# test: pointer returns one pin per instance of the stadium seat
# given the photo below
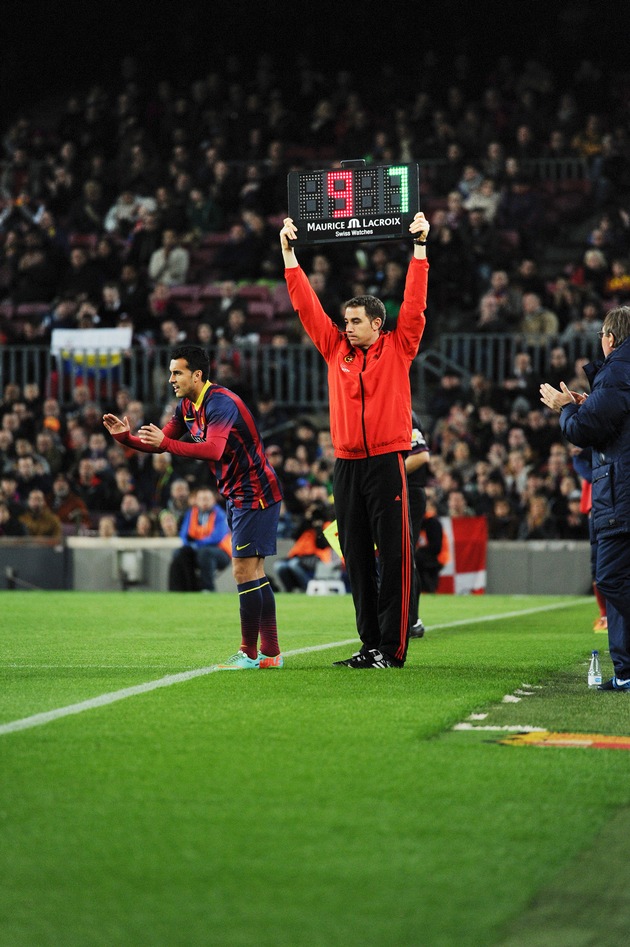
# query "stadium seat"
(258, 310)
(211, 291)
(255, 292)
(187, 293)
(281, 299)
(190, 308)
(30, 310)
(87, 240)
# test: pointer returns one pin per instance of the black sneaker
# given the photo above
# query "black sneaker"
(381, 660)
(417, 630)
(347, 661)
(375, 659)
(612, 685)
(361, 660)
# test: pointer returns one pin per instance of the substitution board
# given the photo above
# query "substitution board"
(354, 203)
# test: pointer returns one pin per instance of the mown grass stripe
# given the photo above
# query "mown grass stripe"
(102, 700)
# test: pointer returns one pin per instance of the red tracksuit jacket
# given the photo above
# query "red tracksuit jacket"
(369, 392)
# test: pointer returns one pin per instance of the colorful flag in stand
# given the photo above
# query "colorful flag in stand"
(465, 572)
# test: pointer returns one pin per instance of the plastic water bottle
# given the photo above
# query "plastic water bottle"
(594, 670)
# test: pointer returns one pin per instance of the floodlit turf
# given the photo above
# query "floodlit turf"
(312, 805)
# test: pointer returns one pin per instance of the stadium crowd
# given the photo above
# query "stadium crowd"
(157, 207)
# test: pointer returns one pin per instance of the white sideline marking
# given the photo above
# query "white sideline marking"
(37, 720)
(518, 728)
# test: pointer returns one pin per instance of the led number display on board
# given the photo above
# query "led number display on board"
(353, 203)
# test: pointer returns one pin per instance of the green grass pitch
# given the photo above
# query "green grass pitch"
(313, 806)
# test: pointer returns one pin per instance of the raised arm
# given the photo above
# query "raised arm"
(288, 235)
(419, 227)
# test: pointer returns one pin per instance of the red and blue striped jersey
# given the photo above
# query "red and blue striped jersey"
(222, 431)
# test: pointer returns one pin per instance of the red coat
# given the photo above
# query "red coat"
(370, 395)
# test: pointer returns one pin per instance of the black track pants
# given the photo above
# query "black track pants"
(372, 508)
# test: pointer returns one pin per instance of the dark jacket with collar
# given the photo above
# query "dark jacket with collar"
(603, 423)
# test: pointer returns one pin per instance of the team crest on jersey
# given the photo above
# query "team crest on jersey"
(349, 358)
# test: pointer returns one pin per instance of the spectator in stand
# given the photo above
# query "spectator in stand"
(127, 515)
(68, 505)
(36, 273)
(587, 142)
(507, 297)
(82, 278)
(38, 519)
(558, 369)
(167, 524)
(207, 545)
(574, 524)
(527, 278)
(538, 325)
(60, 191)
(49, 447)
(451, 271)
(28, 478)
(107, 527)
(10, 525)
(456, 216)
(592, 273)
(493, 161)
(525, 146)
(470, 181)
(161, 478)
(556, 146)
(586, 327)
(564, 299)
(95, 490)
(7, 450)
(457, 505)
(430, 557)
(96, 450)
(122, 217)
(169, 264)
(481, 239)
(489, 317)
(110, 309)
(617, 286)
(9, 492)
(610, 172)
(578, 381)
(538, 522)
(107, 259)
(521, 383)
(145, 241)
(520, 209)
(237, 258)
(489, 487)
(86, 215)
(485, 198)
(203, 216)
(123, 485)
(503, 522)
(310, 549)
(179, 499)
(160, 307)
(449, 174)
(145, 526)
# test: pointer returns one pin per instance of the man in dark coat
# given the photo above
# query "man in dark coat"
(601, 420)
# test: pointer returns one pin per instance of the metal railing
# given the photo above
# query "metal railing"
(294, 375)
(493, 355)
(554, 170)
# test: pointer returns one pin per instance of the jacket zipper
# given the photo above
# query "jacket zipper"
(367, 450)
